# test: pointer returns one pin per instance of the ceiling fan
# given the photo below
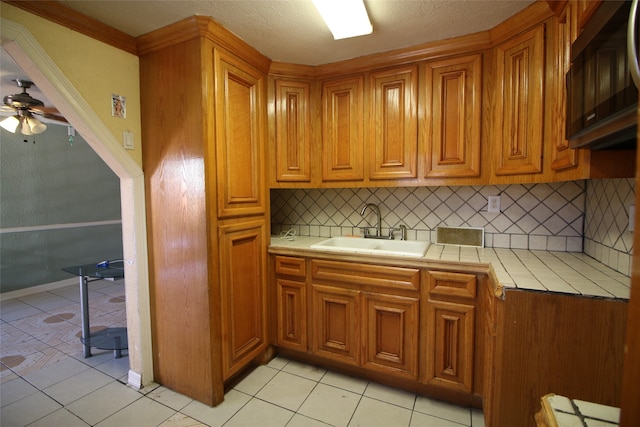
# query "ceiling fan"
(25, 107)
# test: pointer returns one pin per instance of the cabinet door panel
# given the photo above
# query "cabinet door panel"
(447, 285)
(450, 343)
(562, 156)
(293, 127)
(292, 314)
(519, 104)
(243, 294)
(342, 136)
(239, 127)
(390, 338)
(453, 120)
(336, 326)
(393, 126)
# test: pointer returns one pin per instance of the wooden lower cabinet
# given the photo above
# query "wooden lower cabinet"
(449, 363)
(291, 302)
(336, 327)
(390, 340)
(388, 323)
(449, 324)
(292, 314)
(243, 291)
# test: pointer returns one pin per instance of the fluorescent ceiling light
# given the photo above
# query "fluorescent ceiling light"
(345, 18)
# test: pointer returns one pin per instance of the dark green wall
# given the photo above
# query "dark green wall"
(47, 189)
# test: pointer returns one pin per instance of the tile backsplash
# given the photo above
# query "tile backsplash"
(606, 234)
(560, 216)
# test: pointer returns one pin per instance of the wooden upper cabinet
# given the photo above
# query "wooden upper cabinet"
(342, 129)
(453, 117)
(293, 129)
(519, 104)
(240, 133)
(562, 156)
(393, 127)
(584, 10)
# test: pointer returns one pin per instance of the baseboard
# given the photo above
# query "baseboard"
(134, 380)
(19, 293)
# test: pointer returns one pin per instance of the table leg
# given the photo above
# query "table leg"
(84, 309)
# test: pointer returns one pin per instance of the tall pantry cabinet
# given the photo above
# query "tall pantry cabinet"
(203, 100)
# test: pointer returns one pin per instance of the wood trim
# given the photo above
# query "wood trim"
(630, 410)
(201, 26)
(56, 12)
(431, 51)
(528, 18)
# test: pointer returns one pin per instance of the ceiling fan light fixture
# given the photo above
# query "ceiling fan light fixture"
(11, 123)
(345, 18)
(35, 125)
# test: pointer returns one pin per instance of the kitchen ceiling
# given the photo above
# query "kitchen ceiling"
(292, 30)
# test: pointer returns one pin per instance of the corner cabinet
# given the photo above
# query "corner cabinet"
(203, 109)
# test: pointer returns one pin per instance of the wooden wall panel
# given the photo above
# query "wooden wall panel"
(550, 343)
(173, 161)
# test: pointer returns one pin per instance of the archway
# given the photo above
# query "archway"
(31, 57)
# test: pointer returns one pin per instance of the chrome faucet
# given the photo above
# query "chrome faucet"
(376, 209)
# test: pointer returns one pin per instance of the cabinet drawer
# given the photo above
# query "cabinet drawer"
(366, 275)
(447, 285)
(291, 266)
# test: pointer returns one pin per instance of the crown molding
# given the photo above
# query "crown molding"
(60, 14)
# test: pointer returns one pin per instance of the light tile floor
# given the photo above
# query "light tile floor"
(45, 381)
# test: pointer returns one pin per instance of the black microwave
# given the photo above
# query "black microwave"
(602, 99)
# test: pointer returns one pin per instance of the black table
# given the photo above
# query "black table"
(107, 339)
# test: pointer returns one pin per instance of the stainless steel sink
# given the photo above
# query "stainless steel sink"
(407, 248)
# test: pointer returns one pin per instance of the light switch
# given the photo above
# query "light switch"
(127, 140)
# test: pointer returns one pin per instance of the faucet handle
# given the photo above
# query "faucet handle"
(402, 228)
(365, 231)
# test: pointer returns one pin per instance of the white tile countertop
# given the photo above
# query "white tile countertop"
(578, 413)
(563, 272)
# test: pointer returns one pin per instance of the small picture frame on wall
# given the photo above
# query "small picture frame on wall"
(118, 106)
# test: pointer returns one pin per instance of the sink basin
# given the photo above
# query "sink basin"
(407, 248)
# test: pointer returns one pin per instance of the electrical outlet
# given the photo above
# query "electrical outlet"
(493, 204)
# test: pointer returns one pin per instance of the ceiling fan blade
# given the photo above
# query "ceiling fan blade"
(50, 116)
(49, 113)
(45, 110)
